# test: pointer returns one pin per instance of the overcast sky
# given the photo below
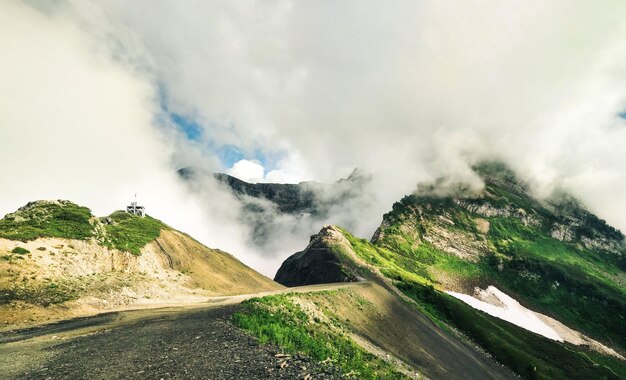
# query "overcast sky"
(102, 99)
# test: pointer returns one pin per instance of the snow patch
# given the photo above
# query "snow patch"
(506, 308)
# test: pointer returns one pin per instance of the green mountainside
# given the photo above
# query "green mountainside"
(553, 256)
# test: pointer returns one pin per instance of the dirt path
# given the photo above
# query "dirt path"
(194, 341)
(197, 344)
(178, 341)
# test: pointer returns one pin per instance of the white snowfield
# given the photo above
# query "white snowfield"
(509, 310)
(496, 303)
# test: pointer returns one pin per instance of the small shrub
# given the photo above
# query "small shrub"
(20, 250)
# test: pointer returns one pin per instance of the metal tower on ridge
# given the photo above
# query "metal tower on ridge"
(134, 209)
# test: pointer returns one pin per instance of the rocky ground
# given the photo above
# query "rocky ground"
(195, 344)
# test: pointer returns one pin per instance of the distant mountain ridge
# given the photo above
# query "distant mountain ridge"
(263, 204)
(308, 197)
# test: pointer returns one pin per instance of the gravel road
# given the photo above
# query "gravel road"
(195, 341)
(194, 344)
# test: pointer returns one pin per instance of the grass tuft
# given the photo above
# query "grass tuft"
(20, 250)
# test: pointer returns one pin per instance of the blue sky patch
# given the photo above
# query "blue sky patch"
(228, 154)
(189, 127)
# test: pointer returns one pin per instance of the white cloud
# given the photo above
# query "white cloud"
(280, 176)
(250, 171)
(408, 91)
(78, 123)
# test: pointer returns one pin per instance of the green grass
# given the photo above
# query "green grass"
(402, 259)
(66, 220)
(20, 250)
(277, 319)
(131, 233)
(574, 285)
(390, 263)
(560, 280)
(528, 354)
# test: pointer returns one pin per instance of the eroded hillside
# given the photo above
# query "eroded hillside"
(59, 261)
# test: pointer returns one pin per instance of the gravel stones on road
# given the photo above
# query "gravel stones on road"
(200, 344)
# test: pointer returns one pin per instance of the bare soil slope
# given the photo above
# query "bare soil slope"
(210, 269)
(52, 278)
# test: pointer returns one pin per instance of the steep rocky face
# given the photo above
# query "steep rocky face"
(288, 197)
(321, 262)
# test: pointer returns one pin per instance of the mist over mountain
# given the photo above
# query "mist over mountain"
(394, 90)
(481, 237)
(279, 212)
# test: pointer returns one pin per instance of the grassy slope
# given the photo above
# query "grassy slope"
(208, 269)
(67, 220)
(211, 269)
(130, 232)
(280, 320)
(530, 355)
(564, 280)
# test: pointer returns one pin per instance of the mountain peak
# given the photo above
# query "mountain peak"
(322, 261)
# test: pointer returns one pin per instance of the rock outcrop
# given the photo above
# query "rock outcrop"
(323, 261)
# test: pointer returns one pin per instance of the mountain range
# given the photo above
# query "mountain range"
(560, 264)
(455, 283)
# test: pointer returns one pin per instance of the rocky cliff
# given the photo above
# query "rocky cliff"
(323, 261)
(269, 208)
